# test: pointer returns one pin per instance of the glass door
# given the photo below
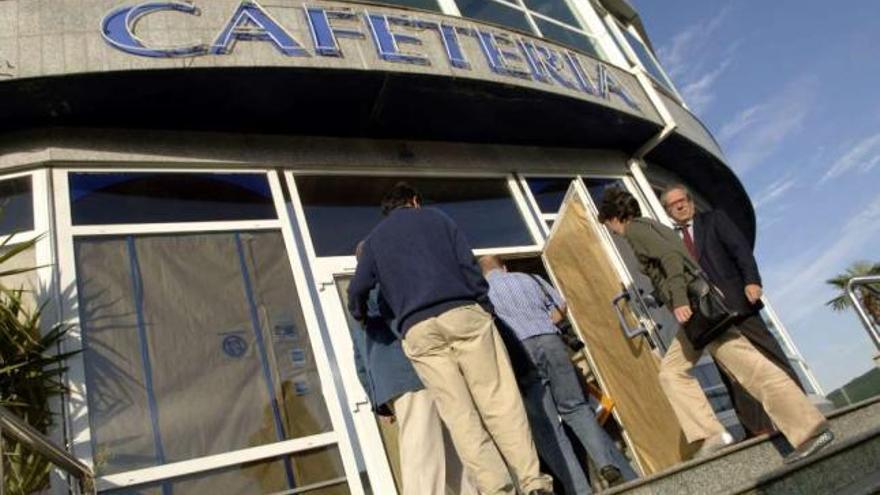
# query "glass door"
(585, 268)
(334, 212)
(200, 368)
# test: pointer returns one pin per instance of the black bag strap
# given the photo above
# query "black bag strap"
(547, 295)
(689, 262)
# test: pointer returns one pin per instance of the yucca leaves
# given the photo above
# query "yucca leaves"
(31, 372)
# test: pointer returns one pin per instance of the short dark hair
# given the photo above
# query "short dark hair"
(399, 195)
(618, 203)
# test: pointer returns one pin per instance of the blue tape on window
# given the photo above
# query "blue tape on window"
(261, 346)
(138, 296)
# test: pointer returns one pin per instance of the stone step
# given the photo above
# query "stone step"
(739, 467)
(848, 467)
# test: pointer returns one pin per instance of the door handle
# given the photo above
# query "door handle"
(629, 332)
(359, 404)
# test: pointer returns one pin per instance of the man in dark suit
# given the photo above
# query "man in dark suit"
(726, 256)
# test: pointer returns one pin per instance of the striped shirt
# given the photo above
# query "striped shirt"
(521, 303)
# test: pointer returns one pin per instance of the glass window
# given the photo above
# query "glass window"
(568, 37)
(549, 192)
(146, 197)
(556, 9)
(194, 345)
(596, 187)
(269, 476)
(341, 211)
(16, 205)
(416, 4)
(647, 59)
(496, 13)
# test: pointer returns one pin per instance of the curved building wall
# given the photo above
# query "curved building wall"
(203, 170)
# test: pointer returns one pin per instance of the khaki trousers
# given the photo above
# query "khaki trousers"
(428, 462)
(462, 361)
(783, 400)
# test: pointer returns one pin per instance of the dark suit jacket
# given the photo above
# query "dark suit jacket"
(726, 257)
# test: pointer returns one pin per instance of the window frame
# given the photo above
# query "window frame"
(322, 261)
(582, 27)
(666, 85)
(78, 422)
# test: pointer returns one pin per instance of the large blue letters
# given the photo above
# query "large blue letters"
(388, 42)
(324, 34)
(251, 22)
(118, 30)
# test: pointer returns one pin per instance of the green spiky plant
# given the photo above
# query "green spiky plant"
(31, 372)
(869, 298)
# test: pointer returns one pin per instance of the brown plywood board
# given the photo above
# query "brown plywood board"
(627, 369)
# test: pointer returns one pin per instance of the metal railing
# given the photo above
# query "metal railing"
(13, 427)
(865, 283)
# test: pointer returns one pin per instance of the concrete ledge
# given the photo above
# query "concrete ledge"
(750, 460)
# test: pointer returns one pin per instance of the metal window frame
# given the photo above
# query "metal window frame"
(666, 86)
(326, 270)
(583, 27)
(77, 408)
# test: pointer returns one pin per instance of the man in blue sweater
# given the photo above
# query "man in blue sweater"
(437, 293)
(428, 464)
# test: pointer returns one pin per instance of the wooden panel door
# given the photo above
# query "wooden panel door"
(580, 261)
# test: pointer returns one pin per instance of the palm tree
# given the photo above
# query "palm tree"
(869, 294)
(30, 372)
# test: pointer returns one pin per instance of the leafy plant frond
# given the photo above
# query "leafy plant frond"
(31, 371)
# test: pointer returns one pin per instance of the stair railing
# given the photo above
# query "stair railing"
(865, 282)
(12, 426)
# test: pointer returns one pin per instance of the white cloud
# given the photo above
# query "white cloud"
(862, 157)
(678, 56)
(757, 132)
(700, 94)
(691, 60)
(774, 191)
(800, 285)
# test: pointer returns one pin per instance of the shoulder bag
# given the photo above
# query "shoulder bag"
(712, 317)
(566, 330)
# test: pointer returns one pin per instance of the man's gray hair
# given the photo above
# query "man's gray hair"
(673, 187)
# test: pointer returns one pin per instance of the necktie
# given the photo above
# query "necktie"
(689, 242)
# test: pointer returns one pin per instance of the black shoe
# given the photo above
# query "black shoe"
(540, 492)
(611, 475)
(810, 447)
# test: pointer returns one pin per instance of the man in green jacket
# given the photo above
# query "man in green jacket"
(666, 261)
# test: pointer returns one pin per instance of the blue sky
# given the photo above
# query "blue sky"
(790, 90)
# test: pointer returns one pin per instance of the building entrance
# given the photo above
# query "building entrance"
(582, 264)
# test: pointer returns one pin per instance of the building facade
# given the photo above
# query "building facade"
(199, 173)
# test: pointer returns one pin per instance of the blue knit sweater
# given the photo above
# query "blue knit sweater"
(424, 265)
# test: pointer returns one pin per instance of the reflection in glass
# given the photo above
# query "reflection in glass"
(341, 211)
(556, 9)
(496, 13)
(596, 187)
(16, 205)
(194, 345)
(549, 192)
(145, 197)
(416, 4)
(262, 477)
(647, 59)
(565, 36)
(388, 432)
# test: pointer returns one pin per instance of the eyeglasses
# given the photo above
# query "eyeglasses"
(677, 203)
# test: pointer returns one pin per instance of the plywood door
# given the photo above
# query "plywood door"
(579, 261)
